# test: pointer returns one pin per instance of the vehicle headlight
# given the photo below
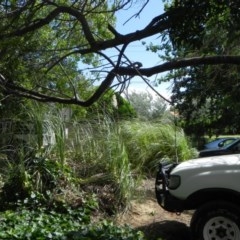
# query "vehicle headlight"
(174, 182)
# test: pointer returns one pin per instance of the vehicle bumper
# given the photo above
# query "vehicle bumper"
(164, 198)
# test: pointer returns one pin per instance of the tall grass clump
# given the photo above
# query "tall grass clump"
(147, 143)
(50, 130)
(100, 158)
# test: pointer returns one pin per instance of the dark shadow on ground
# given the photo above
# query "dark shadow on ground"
(166, 230)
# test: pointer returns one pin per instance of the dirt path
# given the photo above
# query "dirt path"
(147, 216)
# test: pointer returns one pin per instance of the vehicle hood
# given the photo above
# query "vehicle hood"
(209, 163)
(207, 173)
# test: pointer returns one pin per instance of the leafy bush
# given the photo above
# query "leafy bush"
(38, 174)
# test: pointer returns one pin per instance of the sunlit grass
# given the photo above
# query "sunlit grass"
(148, 143)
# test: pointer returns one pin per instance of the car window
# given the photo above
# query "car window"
(227, 142)
(232, 144)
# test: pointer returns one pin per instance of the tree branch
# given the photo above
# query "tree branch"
(12, 88)
(209, 60)
(52, 15)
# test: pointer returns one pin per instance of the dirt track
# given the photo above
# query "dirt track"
(147, 216)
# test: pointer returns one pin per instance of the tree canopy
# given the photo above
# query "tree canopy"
(42, 44)
(207, 96)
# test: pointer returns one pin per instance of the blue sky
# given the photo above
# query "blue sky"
(136, 51)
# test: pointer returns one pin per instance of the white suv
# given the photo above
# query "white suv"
(211, 186)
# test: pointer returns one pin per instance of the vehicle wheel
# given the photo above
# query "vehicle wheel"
(217, 220)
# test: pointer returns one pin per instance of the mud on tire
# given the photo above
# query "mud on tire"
(215, 221)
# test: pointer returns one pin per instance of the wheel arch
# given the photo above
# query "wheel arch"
(203, 196)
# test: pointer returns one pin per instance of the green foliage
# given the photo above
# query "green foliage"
(120, 167)
(125, 110)
(99, 152)
(40, 222)
(97, 167)
(205, 96)
(148, 143)
(45, 58)
(11, 106)
(113, 105)
(32, 174)
(36, 221)
(107, 231)
(16, 184)
(117, 155)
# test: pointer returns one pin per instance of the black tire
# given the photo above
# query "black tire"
(218, 220)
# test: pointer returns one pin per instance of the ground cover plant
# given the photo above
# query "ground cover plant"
(23, 223)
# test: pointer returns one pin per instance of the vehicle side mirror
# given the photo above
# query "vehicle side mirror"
(221, 144)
